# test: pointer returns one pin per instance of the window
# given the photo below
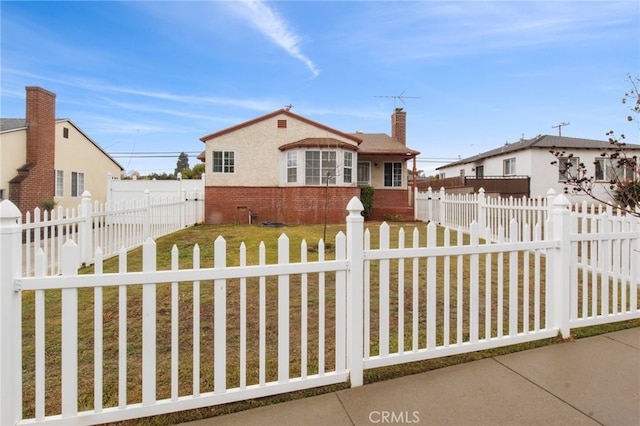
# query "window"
(609, 170)
(65, 132)
(393, 174)
(1, 194)
(320, 165)
(223, 161)
(59, 183)
(479, 172)
(347, 167)
(364, 173)
(292, 167)
(509, 166)
(462, 172)
(77, 184)
(567, 167)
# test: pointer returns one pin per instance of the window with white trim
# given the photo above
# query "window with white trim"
(292, 167)
(223, 161)
(393, 174)
(347, 167)
(364, 173)
(77, 184)
(59, 183)
(509, 166)
(567, 167)
(320, 166)
(609, 170)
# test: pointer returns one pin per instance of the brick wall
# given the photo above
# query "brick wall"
(36, 179)
(290, 205)
(391, 202)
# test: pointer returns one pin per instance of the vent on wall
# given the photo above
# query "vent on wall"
(65, 132)
(282, 124)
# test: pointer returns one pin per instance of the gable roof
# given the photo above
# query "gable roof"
(11, 124)
(383, 144)
(547, 142)
(15, 124)
(276, 113)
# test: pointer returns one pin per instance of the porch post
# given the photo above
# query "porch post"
(355, 297)
(10, 314)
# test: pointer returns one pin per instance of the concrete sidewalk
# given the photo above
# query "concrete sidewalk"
(589, 381)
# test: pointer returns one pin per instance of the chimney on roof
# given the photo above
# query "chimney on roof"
(399, 125)
(41, 122)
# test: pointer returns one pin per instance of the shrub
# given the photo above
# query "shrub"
(366, 197)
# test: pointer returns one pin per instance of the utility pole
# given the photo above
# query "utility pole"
(559, 127)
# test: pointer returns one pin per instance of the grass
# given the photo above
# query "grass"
(252, 237)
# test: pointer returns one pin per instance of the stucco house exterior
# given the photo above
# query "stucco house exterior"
(44, 158)
(285, 168)
(532, 158)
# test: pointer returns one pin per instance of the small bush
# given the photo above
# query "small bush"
(366, 197)
(46, 204)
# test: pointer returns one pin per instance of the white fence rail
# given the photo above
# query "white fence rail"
(294, 325)
(110, 226)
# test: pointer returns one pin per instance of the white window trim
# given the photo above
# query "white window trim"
(59, 183)
(223, 165)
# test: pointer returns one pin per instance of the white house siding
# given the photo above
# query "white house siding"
(536, 163)
(13, 151)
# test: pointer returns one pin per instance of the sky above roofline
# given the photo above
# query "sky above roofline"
(155, 76)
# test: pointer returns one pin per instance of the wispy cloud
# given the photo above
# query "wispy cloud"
(272, 25)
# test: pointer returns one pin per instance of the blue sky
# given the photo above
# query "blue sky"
(155, 76)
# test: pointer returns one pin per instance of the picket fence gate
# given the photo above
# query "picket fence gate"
(366, 307)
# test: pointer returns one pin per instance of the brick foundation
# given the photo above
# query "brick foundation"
(290, 205)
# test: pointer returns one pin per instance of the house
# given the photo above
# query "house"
(44, 158)
(285, 168)
(532, 160)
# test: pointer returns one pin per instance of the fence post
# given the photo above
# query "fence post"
(10, 314)
(183, 211)
(560, 285)
(146, 220)
(85, 230)
(355, 296)
(442, 210)
(482, 213)
(551, 195)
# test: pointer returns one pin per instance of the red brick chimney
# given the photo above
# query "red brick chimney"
(399, 125)
(36, 178)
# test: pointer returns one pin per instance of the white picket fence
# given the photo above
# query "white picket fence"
(365, 307)
(110, 226)
(458, 211)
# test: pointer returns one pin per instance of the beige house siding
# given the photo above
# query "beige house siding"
(257, 145)
(13, 152)
(77, 153)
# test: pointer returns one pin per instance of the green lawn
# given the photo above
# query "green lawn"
(252, 236)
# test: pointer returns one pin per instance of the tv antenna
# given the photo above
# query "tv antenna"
(399, 97)
(559, 127)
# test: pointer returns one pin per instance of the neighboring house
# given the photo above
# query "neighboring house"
(285, 168)
(44, 158)
(532, 158)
